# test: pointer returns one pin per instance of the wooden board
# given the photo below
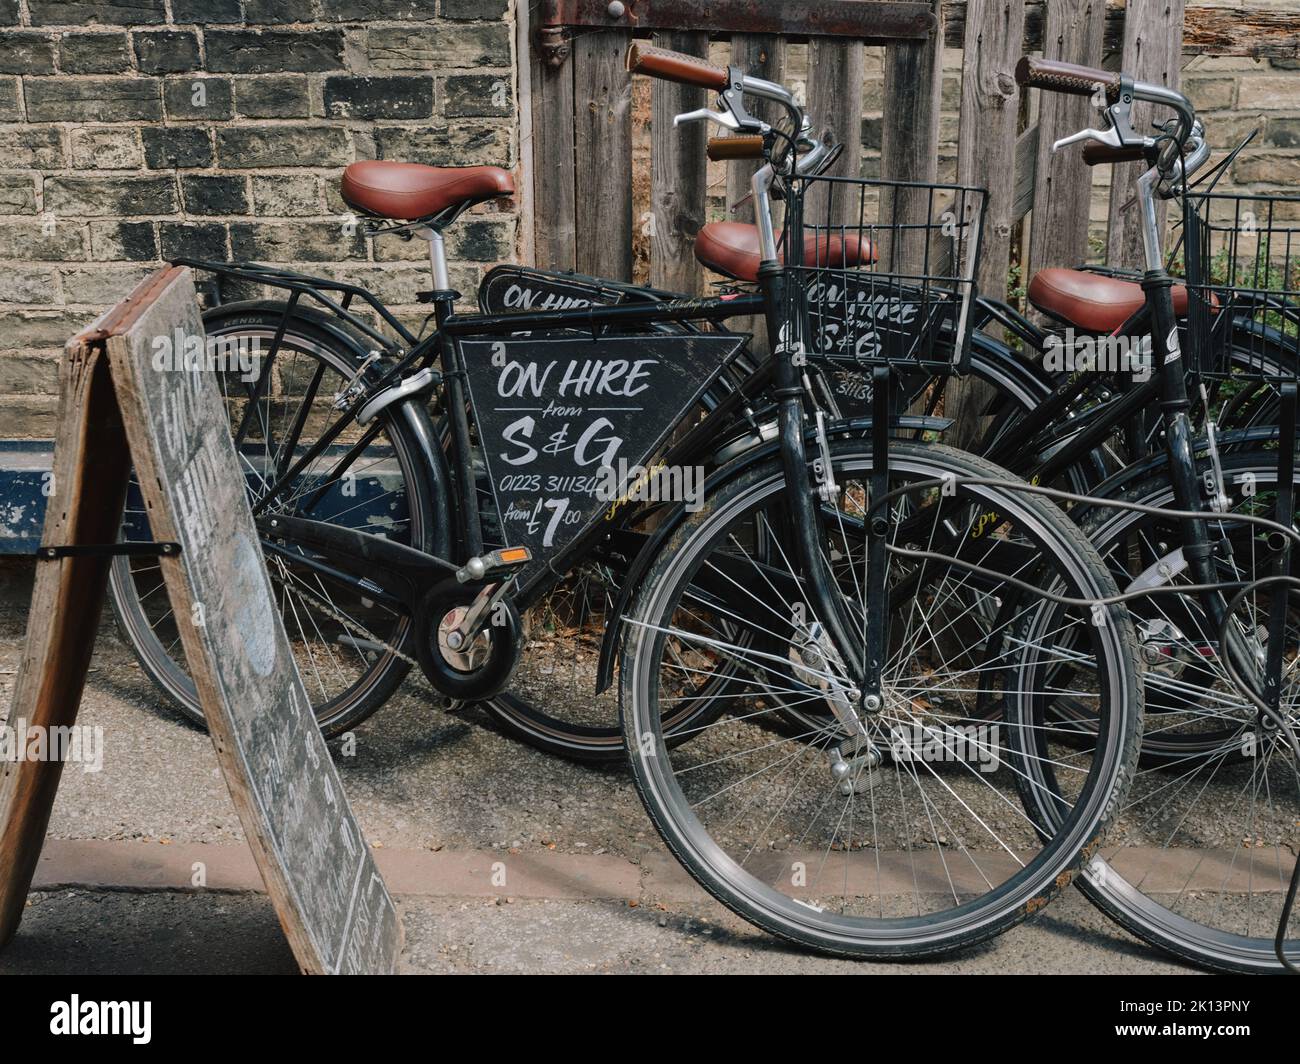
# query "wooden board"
(1153, 51)
(554, 227)
(677, 173)
(835, 76)
(986, 154)
(602, 106)
(327, 892)
(1063, 185)
(90, 477)
(1223, 29)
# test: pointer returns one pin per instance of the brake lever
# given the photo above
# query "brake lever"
(1120, 133)
(706, 114)
(1110, 137)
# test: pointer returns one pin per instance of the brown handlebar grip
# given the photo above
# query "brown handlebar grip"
(722, 148)
(1101, 154)
(1054, 76)
(675, 66)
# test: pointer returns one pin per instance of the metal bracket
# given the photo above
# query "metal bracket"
(101, 550)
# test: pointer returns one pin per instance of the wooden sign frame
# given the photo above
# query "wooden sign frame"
(119, 407)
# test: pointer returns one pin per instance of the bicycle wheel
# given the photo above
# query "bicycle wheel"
(371, 478)
(942, 823)
(1202, 857)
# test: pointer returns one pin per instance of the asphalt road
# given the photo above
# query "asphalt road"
(441, 799)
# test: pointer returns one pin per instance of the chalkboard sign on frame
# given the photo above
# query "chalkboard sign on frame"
(566, 422)
(118, 408)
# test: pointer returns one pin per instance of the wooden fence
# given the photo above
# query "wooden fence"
(581, 134)
(581, 111)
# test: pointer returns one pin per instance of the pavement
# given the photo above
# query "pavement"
(146, 869)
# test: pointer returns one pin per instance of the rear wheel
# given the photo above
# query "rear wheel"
(370, 478)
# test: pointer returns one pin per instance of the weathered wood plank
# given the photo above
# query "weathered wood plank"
(761, 56)
(1152, 52)
(602, 91)
(554, 226)
(1063, 185)
(985, 154)
(678, 174)
(909, 145)
(1255, 32)
(90, 476)
(1229, 31)
(836, 70)
(318, 870)
(1026, 164)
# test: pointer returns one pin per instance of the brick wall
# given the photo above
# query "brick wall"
(137, 130)
(134, 130)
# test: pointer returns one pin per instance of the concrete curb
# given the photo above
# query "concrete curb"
(133, 865)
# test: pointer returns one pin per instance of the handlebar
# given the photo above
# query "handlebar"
(1118, 143)
(677, 66)
(730, 83)
(720, 149)
(1101, 154)
(1051, 75)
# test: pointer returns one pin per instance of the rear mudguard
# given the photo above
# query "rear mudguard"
(758, 453)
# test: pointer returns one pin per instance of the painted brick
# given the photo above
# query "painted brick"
(167, 52)
(97, 12)
(134, 241)
(383, 97)
(262, 146)
(26, 53)
(105, 148)
(272, 97)
(439, 47)
(94, 53)
(198, 99)
(167, 147)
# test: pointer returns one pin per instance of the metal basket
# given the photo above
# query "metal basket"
(882, 272)
(1242, 257)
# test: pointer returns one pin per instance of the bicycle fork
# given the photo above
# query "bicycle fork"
(860, 649)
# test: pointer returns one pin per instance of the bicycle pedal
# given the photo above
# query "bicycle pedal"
(494, 564)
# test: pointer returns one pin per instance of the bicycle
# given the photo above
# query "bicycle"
(386, 464)
(815, 580)
(1200, 541)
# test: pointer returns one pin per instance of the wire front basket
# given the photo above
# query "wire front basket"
(881, 272)
(1243, 282)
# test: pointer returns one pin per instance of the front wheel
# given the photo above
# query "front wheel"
(957, 808)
